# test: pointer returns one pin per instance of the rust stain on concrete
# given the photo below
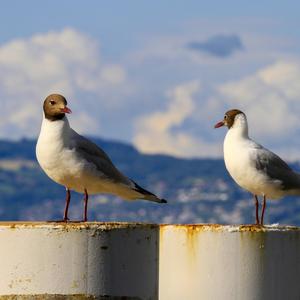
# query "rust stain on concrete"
(192, 233)
(191, 228)
(103, 226)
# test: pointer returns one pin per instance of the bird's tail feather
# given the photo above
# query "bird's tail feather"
(147, 195)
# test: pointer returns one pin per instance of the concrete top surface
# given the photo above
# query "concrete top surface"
(123, 225)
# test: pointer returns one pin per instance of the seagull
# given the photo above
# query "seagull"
(77, 163)
(253, 167)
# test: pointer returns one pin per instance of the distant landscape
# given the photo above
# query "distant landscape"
(197, 190)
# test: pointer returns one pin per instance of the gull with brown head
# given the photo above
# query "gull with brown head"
(253, 167)
(77, 163)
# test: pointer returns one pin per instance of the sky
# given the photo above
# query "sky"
(156, 74)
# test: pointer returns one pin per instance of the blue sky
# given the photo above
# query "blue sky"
(122, 23)
(152, 73)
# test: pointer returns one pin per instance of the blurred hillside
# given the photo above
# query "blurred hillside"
(198, 190)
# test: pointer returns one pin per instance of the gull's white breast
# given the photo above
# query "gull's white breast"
(240, 154)
(57, 155)
(54, 155)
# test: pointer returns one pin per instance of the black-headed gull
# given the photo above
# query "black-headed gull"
(78, 164)
(253, 167)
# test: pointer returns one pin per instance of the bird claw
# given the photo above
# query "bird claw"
(65, 220)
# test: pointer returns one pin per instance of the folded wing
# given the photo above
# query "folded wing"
(277, 170)
(95, 155)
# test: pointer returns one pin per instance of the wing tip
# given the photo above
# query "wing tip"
(148, 195)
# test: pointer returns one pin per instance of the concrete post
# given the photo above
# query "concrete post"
(214, 262)
(78, 261)
(140, 261)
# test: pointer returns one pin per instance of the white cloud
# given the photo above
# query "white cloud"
(270, 97)
(67, 62)
(283, 76)
(262, 80)
(162, 132)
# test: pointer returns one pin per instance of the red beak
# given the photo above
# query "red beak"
(66, 110)
(220, 124)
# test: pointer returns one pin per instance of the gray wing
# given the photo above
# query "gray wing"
(276, 169)
(94, 154)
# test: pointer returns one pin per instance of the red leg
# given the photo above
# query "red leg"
(68, 198)
(256, 209)
(86, 199)
(263, 211)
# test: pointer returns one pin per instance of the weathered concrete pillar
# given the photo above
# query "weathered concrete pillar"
(214, 262)
(140, 261)
(78, 261)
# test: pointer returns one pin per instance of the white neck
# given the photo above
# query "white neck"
(239, 127)
(58, 130)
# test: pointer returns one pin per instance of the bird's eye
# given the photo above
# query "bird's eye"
(225, 117)
(52, 102)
